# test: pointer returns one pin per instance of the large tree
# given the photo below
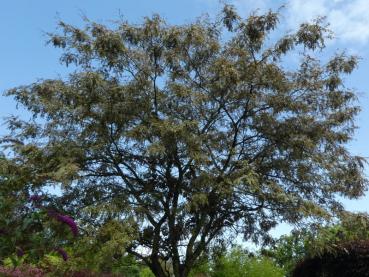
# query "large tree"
(190, 132)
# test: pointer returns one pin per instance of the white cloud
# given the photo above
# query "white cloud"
(349, 20)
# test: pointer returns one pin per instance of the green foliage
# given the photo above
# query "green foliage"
(289, 250)
(183, 133)
(238, 263)
(126, 265)
(326, 239)
(102, 249)
(146, 272)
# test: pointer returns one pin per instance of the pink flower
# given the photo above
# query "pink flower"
(21, 271)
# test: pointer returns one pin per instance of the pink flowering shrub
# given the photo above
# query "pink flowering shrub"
(21, 271)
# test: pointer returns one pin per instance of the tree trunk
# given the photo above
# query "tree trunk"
(157, 269)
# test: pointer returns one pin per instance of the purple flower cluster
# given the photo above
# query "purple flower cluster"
(62, 252)
(20, 252)
(65, 219)
(35, 198)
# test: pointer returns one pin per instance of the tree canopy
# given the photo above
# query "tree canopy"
(182, 135)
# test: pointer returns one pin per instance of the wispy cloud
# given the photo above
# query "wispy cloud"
(349, 20)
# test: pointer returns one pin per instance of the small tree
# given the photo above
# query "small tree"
(323, 241)
(348, 259)
(191, 132)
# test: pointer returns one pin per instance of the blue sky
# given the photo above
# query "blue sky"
(25, 57)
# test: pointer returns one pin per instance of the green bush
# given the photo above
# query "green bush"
(238, 263)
